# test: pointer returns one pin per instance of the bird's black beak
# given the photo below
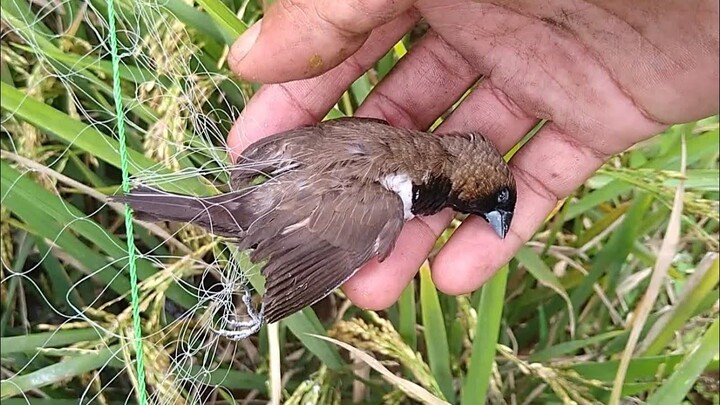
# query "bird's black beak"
(499, 220)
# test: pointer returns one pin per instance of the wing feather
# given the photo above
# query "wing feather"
(283, 151)
(317, 240)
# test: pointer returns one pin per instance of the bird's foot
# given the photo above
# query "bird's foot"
(239, 330)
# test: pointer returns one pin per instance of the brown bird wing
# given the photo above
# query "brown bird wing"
(320, 238)
(281, 152)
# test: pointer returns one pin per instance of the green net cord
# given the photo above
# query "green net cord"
(132, 268)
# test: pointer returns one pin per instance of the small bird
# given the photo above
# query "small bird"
(318, 202)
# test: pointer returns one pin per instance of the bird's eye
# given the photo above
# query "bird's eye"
(503, 196)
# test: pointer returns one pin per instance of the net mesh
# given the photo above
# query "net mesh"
(67, 321)
(180, 103)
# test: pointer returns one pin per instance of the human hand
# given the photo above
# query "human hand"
(605, 75)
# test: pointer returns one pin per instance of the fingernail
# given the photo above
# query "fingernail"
(244, 44)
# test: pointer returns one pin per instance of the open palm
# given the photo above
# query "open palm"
(604, 75)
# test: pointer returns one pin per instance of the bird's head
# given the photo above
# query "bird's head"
(496, 207)
(483, 184)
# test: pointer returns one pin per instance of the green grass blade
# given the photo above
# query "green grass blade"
(229, 25)
(408, 315)
(597, 197)
(196, 19)
(23, 13)
(34, 212)
(435, 334)
(53, 218)
(490, 309)
(77, 62)
(698, 288)
(566, 348)
(361, 88)
(57, 372)
(610, 259)
(87, 138)
(640, 368)
(59, 279)
(697, 147)
(542, 273)
(26, 242)
(31, 343)
(601, 225)
(231, 379)
(303, 325)
(681, 381)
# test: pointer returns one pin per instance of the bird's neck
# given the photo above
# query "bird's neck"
(420, 196)
(420, 172)
(431, 195)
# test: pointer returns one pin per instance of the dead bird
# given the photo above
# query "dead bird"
(335, 195)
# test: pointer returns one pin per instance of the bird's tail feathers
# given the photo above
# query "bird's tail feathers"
(223, 214)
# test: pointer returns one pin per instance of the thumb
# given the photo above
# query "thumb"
(299, 39)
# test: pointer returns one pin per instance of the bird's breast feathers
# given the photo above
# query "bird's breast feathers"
(400, 184)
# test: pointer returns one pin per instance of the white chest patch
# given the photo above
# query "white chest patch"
(400, 184)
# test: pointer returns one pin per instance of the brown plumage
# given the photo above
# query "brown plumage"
(337, 195)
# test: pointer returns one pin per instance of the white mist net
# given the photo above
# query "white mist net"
(60, 160)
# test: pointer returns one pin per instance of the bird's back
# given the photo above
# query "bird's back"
(357, 148)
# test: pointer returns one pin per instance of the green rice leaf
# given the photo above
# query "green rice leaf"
(683, 378)
(57, 372)
(435, 335)
(482, 358)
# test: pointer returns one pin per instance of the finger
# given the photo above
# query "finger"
(376, 285)
(491, 112)
(422, 86)
(548, 168)
(279, 107)
(298, 39)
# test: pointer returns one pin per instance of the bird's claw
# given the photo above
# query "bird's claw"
(240, 330)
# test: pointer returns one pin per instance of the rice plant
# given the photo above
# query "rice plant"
(602, 290)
